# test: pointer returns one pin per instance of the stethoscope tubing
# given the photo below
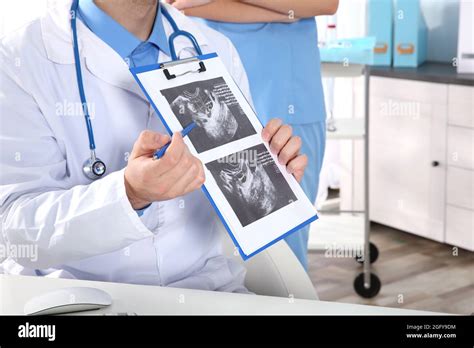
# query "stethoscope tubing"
(80, 82)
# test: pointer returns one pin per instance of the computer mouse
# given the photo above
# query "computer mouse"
(67, 300)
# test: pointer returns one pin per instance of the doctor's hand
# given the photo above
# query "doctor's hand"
(177, 173)
(287, 146)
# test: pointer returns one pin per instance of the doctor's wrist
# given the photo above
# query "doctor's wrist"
(136, 202)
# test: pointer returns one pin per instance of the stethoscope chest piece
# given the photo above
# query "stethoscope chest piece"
(94, 168)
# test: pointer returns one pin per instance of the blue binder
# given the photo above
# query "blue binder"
(410, 39)
(380, 25)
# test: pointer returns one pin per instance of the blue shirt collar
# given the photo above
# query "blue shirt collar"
(115, 35)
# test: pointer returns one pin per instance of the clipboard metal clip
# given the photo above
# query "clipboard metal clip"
(169, 76)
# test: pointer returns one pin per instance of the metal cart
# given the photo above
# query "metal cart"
(367, 284)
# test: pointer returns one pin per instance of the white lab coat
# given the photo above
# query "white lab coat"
(83, 229)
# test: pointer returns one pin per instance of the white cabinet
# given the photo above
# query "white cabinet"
(461, 147)
(458, 224)
(461, 106)
(460, 188)
(421, 158)
(407, 155)
(460, 173)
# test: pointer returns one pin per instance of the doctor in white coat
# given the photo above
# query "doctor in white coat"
(95, 230)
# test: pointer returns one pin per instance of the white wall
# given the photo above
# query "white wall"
(15, 13)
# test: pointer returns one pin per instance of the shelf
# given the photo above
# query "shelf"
(347, 128)
(428, 72)
(341, 70)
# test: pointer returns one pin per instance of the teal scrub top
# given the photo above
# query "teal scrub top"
(283, 66)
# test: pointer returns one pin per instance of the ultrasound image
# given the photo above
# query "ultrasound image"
(215, 110)
(252, 183)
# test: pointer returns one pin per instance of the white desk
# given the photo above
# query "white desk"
(152, 300)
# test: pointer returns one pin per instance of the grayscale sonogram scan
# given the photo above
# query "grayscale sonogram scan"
(215, 110)
(252, 183)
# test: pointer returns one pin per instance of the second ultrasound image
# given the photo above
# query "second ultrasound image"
(252, 183)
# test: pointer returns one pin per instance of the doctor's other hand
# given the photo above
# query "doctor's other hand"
(147, 180)
(287, 146)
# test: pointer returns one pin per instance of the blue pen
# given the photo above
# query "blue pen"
(160, 152)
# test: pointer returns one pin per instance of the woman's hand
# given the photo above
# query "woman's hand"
(287, 146)
(184, 4)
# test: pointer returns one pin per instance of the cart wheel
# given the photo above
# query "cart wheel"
(374, 254)
(361, 290)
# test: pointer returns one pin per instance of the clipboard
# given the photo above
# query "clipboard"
(258, 202)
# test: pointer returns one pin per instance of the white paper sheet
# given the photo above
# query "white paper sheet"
(258, 201)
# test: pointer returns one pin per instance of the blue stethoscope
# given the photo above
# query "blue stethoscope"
(93, 167)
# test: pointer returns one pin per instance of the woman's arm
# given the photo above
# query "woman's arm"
(247, 11)
(298, 8)
(236, 12)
